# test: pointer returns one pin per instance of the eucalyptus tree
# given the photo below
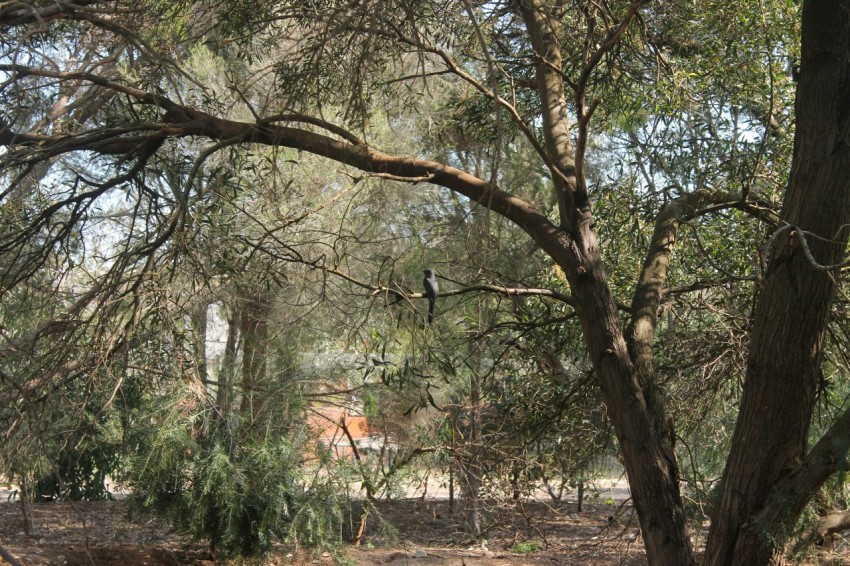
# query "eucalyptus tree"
(562, 76)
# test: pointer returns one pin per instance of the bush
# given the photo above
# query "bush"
(75, 465)
(239, 493)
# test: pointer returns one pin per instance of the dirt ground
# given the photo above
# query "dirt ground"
(423, 533)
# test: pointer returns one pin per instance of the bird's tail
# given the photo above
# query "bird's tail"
(431, 303)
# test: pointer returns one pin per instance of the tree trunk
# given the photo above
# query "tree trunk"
(783, 370)
(255, 336)
(453, 460)
(471, 462)
(580, 504)
(647, 451)
(224, 391)
(26, 508)
(769, 474)
(638, 419)
(200, 322)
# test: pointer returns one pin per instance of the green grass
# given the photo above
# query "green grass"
(527, 547)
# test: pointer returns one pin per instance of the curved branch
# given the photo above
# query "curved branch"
(183, 121)
(793, 491)
(668, 292)
(608, 43)
(497, 289)
(20, 71)
(455, 69)
(324, 124)
(18, 13)
(650, 289)
(591, 62)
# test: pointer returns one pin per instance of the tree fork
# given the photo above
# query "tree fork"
(646, 449)
(634, 403)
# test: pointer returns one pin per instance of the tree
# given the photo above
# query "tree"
(527, 67)
(783, 369)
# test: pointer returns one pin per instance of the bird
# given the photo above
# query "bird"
(431, 291)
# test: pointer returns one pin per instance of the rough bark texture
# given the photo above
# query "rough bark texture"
(647, 453)
(650, 288)
(543, 33)
(769, 444)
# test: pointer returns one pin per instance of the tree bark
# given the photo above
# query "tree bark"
(472, 459)
(200, 323)
(572, 245)
(770, 442)
(543, 31)
(255, 337)
(26, 508)
(227, 371)
(647, 452)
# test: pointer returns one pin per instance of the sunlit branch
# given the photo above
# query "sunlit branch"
(653, 278)
(183, 121)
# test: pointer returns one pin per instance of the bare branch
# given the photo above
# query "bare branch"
(456, 70)
(608, 43)
(584, 114)
(506, 291)
(497, 289)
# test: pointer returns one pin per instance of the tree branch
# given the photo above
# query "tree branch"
(543, 33)
(497, 289)
(183, 121)
(649, 292)
(18, 13)
(793, 491)
(591, 61)
(8, 557)
(650, 289)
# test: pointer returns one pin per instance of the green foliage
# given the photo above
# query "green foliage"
(63, 438)
(693, 96)
(81, 467)
(239, 492)
(527, 547)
